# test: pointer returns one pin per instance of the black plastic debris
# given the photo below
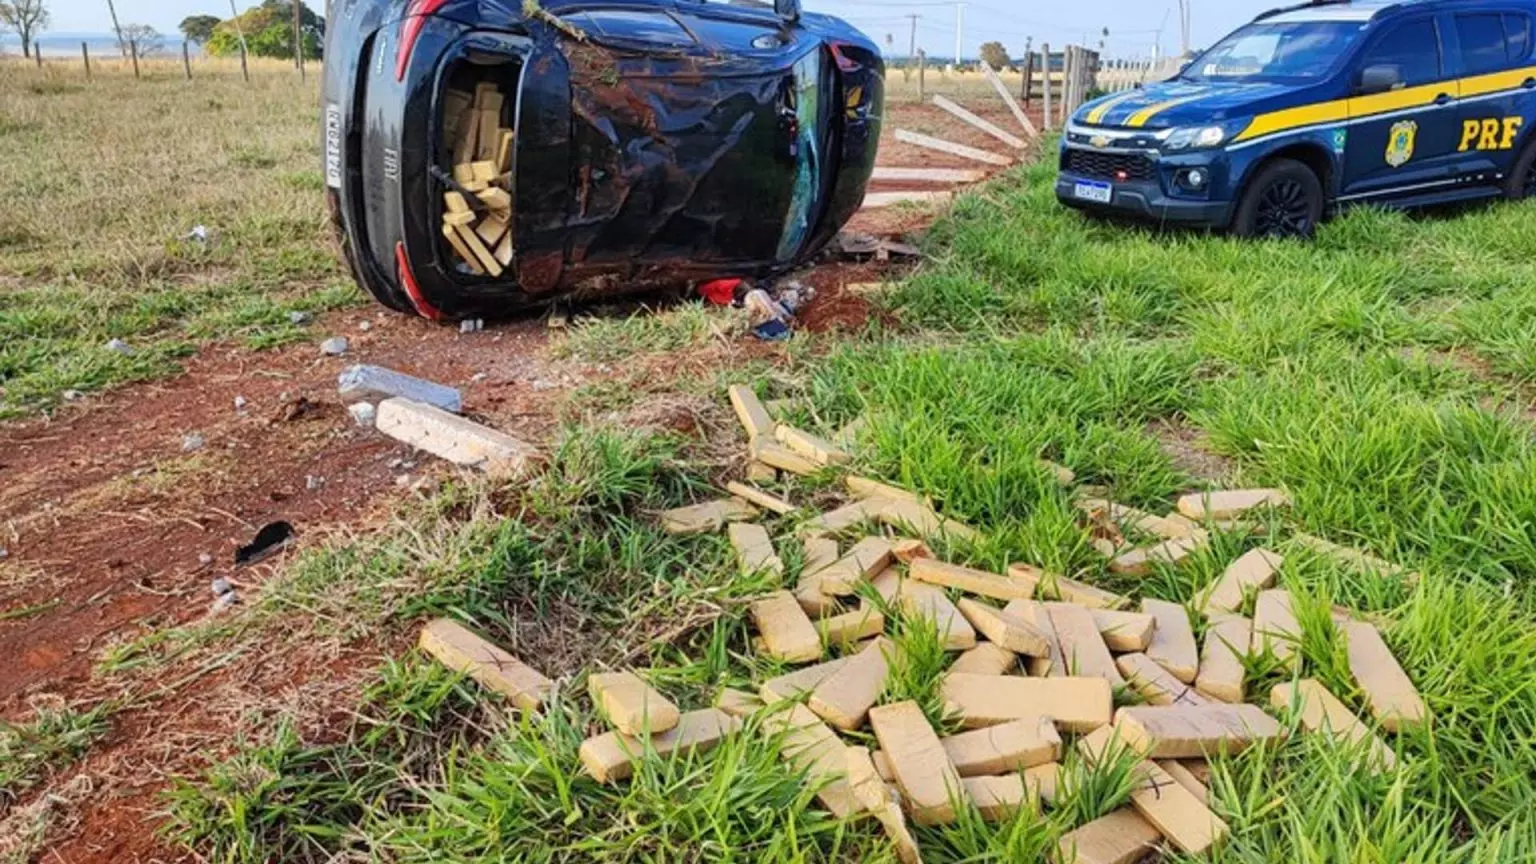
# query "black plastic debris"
(270, 540)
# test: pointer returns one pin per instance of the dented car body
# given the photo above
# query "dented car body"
(654, 142)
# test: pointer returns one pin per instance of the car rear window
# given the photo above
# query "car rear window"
(1483, 43)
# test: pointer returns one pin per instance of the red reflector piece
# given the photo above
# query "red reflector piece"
(1122, 176)
(410, 30)
(412, 290)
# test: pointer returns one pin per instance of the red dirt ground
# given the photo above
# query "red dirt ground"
(105, 517)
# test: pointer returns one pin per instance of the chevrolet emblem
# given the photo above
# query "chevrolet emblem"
(1099, 140)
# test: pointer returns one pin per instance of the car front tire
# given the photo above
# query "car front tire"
(1283, 200)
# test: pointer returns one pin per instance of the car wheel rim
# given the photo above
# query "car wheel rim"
(1284, 210)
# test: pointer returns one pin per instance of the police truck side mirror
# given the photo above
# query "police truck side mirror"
(789, 10)
(1379, 79)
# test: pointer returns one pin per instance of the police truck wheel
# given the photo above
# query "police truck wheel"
(1285, 199)
(1521, 182)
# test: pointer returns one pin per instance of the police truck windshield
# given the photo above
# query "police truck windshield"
(1276, 52)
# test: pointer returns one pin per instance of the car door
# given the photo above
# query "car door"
(1498, 89)
(1403, 114)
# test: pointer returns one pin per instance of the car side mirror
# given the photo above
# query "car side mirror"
(789, 10)
(1380, 78)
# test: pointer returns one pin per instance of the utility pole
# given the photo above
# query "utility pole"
(959, 32)
(912, 45)
(118, 29)
(1183, 28)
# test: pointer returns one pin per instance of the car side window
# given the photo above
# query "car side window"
(1482, 42)
(1413, 47)
(1517, 35)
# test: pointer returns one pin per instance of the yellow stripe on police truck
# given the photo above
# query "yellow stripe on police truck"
(1096, 116)
(1141, 117)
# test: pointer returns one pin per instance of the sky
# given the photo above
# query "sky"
(1133, 24)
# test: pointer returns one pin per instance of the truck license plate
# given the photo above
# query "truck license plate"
(1102, 193)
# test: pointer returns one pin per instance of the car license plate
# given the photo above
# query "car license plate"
(333, 145)
(1100, 192)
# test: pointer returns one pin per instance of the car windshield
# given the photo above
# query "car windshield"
(1276, 52)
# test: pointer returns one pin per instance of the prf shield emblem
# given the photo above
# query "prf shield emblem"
(1400, 143)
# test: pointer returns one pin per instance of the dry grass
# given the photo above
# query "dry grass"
(102, 180)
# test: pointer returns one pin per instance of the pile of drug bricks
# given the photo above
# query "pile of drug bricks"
(477, 216)
(1040, 659)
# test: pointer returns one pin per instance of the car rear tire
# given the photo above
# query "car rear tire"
(1283, 200)
(1521, 182)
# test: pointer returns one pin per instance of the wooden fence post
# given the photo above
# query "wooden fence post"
(922, 76)
(37, 54)
(298, 41)
(1045, 89)
(186, 59)
(85, 54)
(245, 70)
(133, 51)
(1029, 79)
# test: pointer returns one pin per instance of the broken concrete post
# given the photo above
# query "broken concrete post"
(1124, 631)
(1054, 663)
(1017, 634)
(360, 383)
(845, 697)
(986, 659)
(451, 437)
(1082, 646)
(1122, 837)
(754, 548)
(1156, 684)
(1012, 746)
(922, 600)
(867, 558)
(707, 517)
(1177, 814)
(1275, 628)
(1229, 504)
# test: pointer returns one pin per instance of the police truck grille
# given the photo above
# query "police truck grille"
(1107, 166)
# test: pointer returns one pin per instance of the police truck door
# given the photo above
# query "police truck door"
(1403, 127)
(1498, 89)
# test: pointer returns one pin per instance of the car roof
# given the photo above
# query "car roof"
(1359, 10)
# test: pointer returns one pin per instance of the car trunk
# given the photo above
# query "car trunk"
(475, 164)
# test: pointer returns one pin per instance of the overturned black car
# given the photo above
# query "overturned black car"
(482, 157)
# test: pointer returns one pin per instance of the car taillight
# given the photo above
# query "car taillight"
(410, 30)
(412, 290)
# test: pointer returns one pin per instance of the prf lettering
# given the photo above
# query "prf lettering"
(1491, 133)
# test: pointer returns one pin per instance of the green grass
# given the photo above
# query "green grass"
(84, 261)
(1367, 374)
(49, 742)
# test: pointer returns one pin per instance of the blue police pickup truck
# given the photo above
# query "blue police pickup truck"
(1316, 107)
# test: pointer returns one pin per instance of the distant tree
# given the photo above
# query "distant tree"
(996, 56)
(268, 30)
(26, 17)
(198, 28)
(143, 39)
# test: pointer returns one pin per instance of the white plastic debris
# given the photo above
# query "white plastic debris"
(225, 601)
(363, 414)
(365, 326)
(118, 346)
(72, 395)
(204, 558)
(193, 442)
(298, 318)
(313, 483)
(199, 234)
(221, 587)
(335, 346)
(241, 402)
(471, 325)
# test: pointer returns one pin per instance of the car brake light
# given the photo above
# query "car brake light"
(412, 290)
(410, 30)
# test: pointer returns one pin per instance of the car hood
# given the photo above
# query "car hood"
(1181, 103)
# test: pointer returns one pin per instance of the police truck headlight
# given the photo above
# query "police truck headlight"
(1195, 137)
